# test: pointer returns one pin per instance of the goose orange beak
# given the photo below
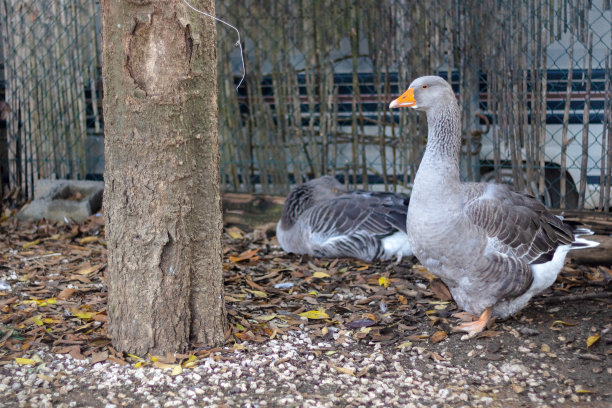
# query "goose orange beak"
(405, 100)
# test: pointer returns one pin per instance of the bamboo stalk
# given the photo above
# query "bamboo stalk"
(604, 147)
(608, 115)
(542, 111)
(585, 125)
(564, 140)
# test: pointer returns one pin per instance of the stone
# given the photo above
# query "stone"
(61, 200)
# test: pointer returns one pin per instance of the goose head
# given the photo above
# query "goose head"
(306, 195)
(424, 93)
(324, 188)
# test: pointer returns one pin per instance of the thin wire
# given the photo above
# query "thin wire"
(238, 43)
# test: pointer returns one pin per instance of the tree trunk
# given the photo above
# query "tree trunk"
(161, 198)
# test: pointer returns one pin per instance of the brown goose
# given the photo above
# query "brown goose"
(493, 247)
(320, 218)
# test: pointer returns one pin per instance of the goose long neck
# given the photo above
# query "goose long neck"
(443, 142)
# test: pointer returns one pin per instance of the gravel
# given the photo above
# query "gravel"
(294, 371)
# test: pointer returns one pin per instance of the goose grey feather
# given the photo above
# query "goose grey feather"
(320, 218)
(492, 246)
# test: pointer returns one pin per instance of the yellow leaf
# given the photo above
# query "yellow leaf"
(42, 302)
(135, 357)
(405, 344)
(31, 243)
(82, 315)
(561, 322)
(191, 361)
(177, 370)
(382, 281)
(315, 314)
(592, 340)
(258, 293)
(440, 307)
(24, 361)
(37, 321)
(580, 390)
(321, 274)
(138, 364)
(87, 240)
(55, 237)
(154, 358)
(235, 233)
(238, 346)
(313, 293)
(545, 348)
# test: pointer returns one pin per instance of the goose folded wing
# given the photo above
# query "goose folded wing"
(516, 224)
(350, 226)
(348, 215)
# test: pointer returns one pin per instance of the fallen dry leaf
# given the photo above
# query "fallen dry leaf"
(314, 314)
(98, 357)
(343, 370)
(383, 281)
(438, 336)
(66, 294)
(439, 290)
(561, 323)
(24, 361)
(244, 256)
(592, 340)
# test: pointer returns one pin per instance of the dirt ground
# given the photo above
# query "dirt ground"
(53, 300)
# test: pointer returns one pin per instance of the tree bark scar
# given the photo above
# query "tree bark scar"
(189, 43)
(159, 54)
(168, 258)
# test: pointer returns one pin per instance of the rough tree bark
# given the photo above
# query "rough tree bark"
(161, 198)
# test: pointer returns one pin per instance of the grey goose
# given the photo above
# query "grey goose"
(493, 247)
(320, 218)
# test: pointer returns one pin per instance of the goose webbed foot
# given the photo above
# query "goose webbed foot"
(475, 327)
(464, 316)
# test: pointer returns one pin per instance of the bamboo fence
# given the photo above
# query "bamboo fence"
(299, 47)
(51, 54)
(320, 76)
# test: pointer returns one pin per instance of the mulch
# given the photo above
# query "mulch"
(53, 296)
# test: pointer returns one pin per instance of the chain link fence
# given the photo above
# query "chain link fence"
(51, 70)
(533, 78)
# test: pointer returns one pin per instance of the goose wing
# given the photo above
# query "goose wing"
(353, 224)
(519, 231)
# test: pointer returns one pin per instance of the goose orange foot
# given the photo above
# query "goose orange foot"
(465, 316)
(475, 327)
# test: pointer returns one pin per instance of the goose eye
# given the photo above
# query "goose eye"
(424, 86)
